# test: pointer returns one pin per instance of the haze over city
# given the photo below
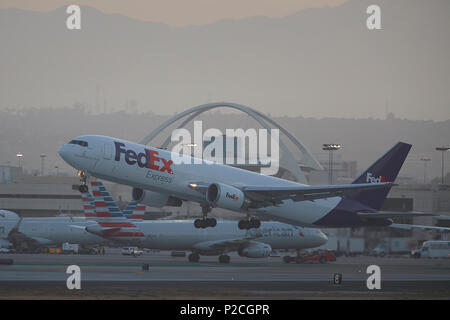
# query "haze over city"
(312, 65)
(296, 60)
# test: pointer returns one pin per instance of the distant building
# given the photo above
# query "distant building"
(39, 195)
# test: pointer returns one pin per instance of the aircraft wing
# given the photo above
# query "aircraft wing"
(423, 228)
(98, 230)
(275, 195)
(394, 214)
(263, 196)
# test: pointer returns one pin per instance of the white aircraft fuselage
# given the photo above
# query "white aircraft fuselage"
(48, 230)
(182, 235)
(153, 170)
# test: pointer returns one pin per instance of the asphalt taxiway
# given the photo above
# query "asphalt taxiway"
(116, 276)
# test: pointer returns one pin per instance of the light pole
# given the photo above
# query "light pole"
(330, 147)
(19, 156)
(42, 163)
(425, 160)
(442, 149)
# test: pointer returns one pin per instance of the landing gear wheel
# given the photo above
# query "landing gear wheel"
(255, 223)
(249, 224)
(198, 223)
(211, 222)
(224, 258)
(243, 224)
(83, 188)
(322, 259)
(205, 223)
(287, 259)
(193, 257)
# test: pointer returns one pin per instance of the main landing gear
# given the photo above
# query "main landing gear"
(296, 259)
(194, 257)
(83, 188)
(249, 224)
(205, 222)
(224, 258)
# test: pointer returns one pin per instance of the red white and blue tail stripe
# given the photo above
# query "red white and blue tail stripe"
(133, 210)
(88, 205)
(112, 222)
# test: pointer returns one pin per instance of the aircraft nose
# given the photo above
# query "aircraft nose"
(322, 237)
(64, 152)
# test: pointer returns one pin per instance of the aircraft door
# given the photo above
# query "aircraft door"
(107, 151)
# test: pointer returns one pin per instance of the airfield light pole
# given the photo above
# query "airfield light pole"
(19, 156)
(442, 149)
(425, 161)
(43, 155)
(330, 147)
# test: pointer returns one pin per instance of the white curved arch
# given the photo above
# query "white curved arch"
(287, 161)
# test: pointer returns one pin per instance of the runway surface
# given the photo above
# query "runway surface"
(116, 276)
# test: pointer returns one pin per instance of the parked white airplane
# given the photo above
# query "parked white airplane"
(158, 181)
(182, 235)
(8, 221)
(27, 234)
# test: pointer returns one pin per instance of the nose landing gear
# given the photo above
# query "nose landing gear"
(83, 188)
(194, 257)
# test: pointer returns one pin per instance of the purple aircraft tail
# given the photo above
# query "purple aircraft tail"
(385, 169)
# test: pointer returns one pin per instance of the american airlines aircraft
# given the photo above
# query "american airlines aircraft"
(157, 181)
(182, 235)
(27, 234)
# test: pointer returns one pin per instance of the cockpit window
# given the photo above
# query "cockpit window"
(79, 142)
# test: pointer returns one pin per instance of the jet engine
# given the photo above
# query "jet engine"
(149, 198)
(225, 196)
(154, 199)
(255, 250)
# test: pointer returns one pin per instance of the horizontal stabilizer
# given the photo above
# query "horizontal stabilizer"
(102, 231)
(387, 215)
(423, 228)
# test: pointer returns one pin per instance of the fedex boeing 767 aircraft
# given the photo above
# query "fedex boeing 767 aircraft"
(157, 181)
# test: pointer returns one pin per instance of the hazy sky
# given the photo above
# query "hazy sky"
(321, 62)
(180, 13)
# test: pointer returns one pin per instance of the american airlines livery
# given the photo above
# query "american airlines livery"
(28, 234)
(182, 235)
(158, 181)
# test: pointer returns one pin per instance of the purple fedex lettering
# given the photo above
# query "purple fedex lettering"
(145, 159)
(130, 157)
(142, 160)
(119, 150)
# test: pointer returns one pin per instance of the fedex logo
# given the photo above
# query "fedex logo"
(147, 159)
(371, 179)
(232, 196)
